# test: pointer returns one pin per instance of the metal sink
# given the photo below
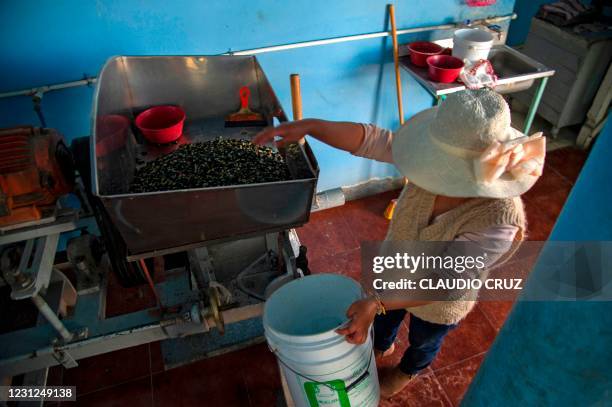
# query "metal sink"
(515, 72)
(509, 63)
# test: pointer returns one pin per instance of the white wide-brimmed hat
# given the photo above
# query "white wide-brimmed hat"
(465, 147)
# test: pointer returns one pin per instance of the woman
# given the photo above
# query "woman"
(466, 168)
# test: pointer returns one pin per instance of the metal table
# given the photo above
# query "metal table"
(516, 72)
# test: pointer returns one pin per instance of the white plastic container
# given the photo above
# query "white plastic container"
(472, 44)
(320, 367)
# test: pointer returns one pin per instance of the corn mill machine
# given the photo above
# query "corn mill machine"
(211, 256)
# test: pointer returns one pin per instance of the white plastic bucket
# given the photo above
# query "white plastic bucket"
(472, 44)
(320, 367)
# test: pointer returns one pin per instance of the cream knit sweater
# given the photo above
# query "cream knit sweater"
(411, 223)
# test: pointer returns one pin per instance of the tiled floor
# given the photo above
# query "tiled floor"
(249, 377)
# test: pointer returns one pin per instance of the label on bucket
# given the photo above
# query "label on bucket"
(360, 389)
(320, 394)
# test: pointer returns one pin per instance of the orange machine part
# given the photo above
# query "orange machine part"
(31, 177)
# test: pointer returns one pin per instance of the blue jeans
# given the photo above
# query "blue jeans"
(425, 339)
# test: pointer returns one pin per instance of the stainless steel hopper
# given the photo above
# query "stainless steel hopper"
(206, 87)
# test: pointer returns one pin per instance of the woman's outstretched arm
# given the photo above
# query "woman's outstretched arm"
(345, 136)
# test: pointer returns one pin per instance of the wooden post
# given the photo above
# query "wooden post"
(398, 81)
(296, 96)
(388, 214)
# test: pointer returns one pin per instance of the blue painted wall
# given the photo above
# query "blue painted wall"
(46, 41)
(525, 10)
(558, 353)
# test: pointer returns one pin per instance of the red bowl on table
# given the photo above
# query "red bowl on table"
(161, 124)
(421, 50)
(444, 68)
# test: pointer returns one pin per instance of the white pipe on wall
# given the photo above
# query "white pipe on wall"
(275, 48)
(47, 88)
(359, 37)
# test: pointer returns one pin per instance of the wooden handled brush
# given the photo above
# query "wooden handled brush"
(245, 117)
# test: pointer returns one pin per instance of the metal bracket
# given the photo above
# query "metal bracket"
(65, 359)
(201, 267)
(288, 254)
(82, 333)
(294, 240)
(76, 335)
(35, 267)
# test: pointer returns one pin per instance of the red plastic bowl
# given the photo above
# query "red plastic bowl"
(421, 50)
(161, 124)
(444, 68)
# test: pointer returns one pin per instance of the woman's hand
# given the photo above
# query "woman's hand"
(290, 132)
(362, 315)
(343, 135)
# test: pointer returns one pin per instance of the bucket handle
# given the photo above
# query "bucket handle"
(348, 388)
